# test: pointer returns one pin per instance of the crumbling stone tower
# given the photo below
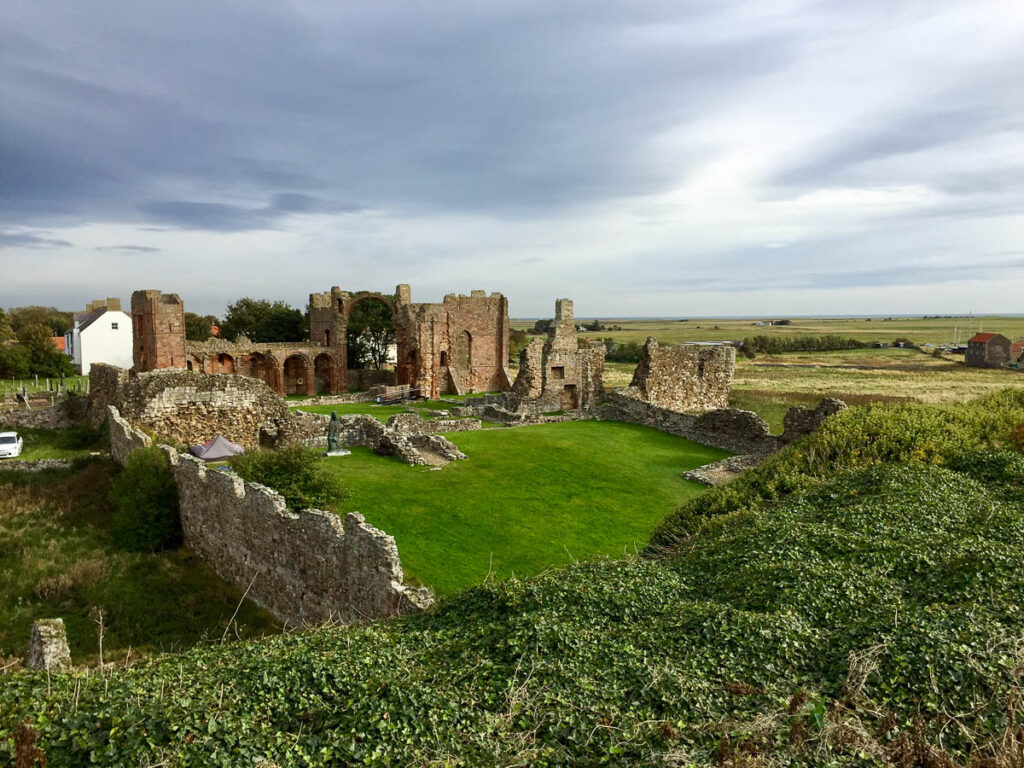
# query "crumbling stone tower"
(559, 374)
(158, 327)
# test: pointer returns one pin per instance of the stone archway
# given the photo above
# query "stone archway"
(296, 375)
(323, 373)
(225, 363)
(444, 359)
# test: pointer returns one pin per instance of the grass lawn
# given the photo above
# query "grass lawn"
(60, 443)
(525, 500)
(57, 558)
(381, 412)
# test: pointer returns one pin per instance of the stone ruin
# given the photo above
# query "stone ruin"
(188, 408)
(558, 374)
(457, 346)
(48, 646)
(686, 377)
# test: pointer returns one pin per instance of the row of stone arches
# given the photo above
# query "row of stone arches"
(293, 374)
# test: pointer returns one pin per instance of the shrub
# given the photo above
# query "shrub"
(296, 473)
(858, 437)
(1017, 437)
(145, 501)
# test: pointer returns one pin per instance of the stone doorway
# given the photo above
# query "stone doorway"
(570, 398)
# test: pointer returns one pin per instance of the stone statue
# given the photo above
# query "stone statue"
(333, 431)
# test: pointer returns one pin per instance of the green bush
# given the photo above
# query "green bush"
(145, 501)
(854, 438)
(296, 473)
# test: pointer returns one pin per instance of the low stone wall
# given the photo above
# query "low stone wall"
(124, 438)
(730, 429)
(301, 428)
(36, 465)
(304, 567)
(65, 412)
(414, 424)
(718, 472)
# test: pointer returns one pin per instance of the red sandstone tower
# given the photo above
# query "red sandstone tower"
(158, 324)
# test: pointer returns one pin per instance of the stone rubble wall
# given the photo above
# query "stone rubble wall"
(414, 424)
(187, 408)
(304, 567)
(65, 412)
(718, 472)
(686, 377)
(34, 465)
(730, 429)
(124, 438)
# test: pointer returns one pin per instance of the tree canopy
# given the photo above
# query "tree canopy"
(371, 330)
(264, 321)
(197, 327)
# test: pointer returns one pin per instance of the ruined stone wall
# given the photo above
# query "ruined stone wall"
(158, 331)
(455, 347)
(304, 567)
(687, 377)
(560, 374)
(726, 428)
(66, 411)
(107, 386)
(124, 438)
(414, 424)
(189, 408)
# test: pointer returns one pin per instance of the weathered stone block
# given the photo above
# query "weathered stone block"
(48, 646)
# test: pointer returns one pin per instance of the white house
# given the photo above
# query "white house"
(101, 334)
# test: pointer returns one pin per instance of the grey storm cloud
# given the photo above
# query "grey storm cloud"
(396, 136)
(509, 106)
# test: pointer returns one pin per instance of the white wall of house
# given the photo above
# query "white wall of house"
(107, 339)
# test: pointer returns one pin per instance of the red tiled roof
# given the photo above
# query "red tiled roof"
(58, 342)
(983, 336)
(1017, 348)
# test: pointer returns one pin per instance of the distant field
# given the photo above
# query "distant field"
(526, 499)
(919, 330)
(769, 384)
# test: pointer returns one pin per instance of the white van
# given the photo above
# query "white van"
(10, 445)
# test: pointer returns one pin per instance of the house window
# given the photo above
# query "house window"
(113, 326)
(558, 372)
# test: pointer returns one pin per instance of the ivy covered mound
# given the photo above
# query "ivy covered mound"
(874, 618)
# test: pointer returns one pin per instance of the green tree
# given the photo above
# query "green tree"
(44, 357)
(541, 326)
(371, 330)
(263, 320)
(145, 501)
(197, 327)
(516, 341)
(57, 321)
(6, 331)
(296, 473)
(15, 361)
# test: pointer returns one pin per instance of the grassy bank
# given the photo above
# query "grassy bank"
(57, 559)
(526, 499)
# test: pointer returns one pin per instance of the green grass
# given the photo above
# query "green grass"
(526, 499)
(60, 443)
(837, 627)
(8, 386)
(57, 559)
(380, 412)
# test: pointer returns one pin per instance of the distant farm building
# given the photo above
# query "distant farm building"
(988, 350)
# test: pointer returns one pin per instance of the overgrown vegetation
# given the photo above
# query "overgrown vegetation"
(145, 502)
(296, 473)
(774, 345)
(58, 558)
(73, 443)
(855, 438)
(875, 620)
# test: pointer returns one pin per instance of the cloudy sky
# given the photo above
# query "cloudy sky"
(684, 157)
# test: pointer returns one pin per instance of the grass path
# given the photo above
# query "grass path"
(525, 500)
